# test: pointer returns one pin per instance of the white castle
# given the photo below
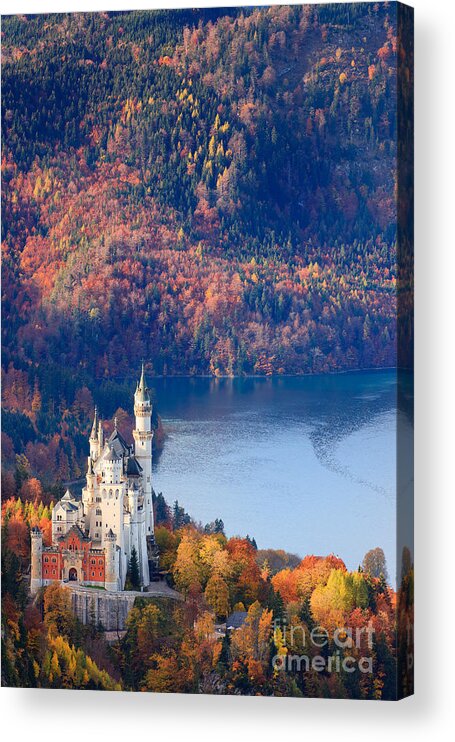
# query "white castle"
(93, 538)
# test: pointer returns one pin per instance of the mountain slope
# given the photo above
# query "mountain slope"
(211, 190)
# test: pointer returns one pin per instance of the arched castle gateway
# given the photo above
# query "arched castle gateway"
(93, 538)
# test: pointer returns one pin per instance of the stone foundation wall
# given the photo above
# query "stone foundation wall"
(99, 607)
(110, 609)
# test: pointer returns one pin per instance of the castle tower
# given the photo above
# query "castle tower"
(112, 467)
(36, 560)
(143, 435)
(111, 579)
(94, 445)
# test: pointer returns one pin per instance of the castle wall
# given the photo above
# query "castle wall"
(143, 556)
(52, 566)
(112, 512)
(95, 570)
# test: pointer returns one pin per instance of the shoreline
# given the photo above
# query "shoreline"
(262, 376)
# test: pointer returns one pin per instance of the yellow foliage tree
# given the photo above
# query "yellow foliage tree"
(251, 643)
(217, 595)
(186, 570)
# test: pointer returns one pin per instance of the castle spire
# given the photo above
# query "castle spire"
(141, 394)
(94, 442)
(142, 384)
(94, 433)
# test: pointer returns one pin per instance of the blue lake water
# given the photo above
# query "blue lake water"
(303, 464)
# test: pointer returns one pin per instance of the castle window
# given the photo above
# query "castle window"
(53, 571)
(46, 559)
(98, 511)
(93, 574)
(98, 499)
(101, 574)
(54, 559)
(59, 517)
(100, 561)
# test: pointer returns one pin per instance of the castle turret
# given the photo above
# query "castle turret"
(94, 445)
(143, 435)
(36, 560)
(100, 437)
(112, 467)
(111, 581)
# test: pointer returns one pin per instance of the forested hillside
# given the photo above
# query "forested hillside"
(172, 646)
(211, 190)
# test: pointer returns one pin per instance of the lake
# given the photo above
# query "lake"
(304, 464)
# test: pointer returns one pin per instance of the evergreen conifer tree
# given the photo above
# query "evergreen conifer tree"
(133, 569)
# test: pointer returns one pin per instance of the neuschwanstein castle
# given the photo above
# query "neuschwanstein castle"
(93, 538)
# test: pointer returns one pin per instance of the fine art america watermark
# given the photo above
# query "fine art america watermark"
(349, 648)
